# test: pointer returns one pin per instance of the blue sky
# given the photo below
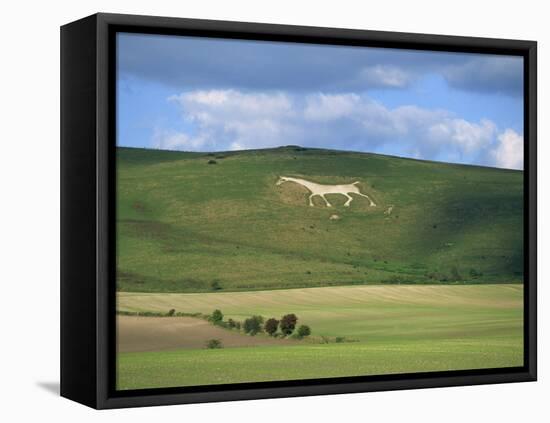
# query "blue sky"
(204, 94)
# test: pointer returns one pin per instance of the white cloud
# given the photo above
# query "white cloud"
(385, 76)
(172, 140)
(233, 103)
(427, 132)
(509, 150)
(231, 120)
(330, 106)
(234, 120)
(469, 137)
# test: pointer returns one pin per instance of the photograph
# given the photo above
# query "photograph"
(232, 212)
(291, 211)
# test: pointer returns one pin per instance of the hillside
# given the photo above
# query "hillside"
(188, 226)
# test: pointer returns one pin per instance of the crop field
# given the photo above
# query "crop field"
(384, 329)
(363, 313)
(233, 365)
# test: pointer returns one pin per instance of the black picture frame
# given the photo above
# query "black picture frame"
(88, 204)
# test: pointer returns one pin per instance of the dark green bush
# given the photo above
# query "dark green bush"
(303, 331)
(214, 344)
(216, 316)
(171, 312)
(253, 325)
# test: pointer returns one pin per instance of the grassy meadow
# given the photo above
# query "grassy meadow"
(430, 279)
(185, 225)
(189, 367)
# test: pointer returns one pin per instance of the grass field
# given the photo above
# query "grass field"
(392, 328)
(234, 365)
(188, 226)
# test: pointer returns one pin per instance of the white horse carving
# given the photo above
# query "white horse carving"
(321, 190)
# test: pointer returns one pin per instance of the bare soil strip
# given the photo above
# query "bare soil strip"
(138, 334)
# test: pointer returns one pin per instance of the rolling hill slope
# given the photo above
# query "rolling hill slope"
(184, 225)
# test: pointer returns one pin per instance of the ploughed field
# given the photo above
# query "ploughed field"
(139, 334)
(382, 330)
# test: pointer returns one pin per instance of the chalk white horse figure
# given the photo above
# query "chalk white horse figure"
(321, 190)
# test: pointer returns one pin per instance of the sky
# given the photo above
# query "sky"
(207, 94)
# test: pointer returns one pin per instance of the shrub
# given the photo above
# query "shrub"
(253, 325)
(231, 324)
(212, 162)
(215, 286)
(172, 312)
(288, 323)
(339, 339)
(475, 273)
(271, 326)
(222, 324)
(214, 344)
(304, 330)
(455, 274)
(216, 316)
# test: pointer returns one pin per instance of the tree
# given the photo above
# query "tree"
(216, 316)
(171, 312)
(271, 326)
(288, 323)
(253, 325)
(304, 330)
(215, 286)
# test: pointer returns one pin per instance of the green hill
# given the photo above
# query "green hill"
(184, 225)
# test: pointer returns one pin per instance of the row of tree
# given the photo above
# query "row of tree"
(255, 324)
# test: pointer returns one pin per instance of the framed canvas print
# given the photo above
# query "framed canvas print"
(256, 211)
